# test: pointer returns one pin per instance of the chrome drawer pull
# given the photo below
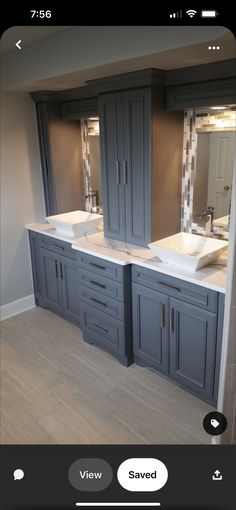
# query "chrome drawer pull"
(172, 318)
(172, 287)
(162, 315)
(96, 265)
(118, 172)
(58, 246)
(56, 268)
(99, 302)
(125, 172)
(100, 327)
(98, 284)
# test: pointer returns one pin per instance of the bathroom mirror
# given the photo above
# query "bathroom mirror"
(214, 173)
(208, 159)
(91, 164)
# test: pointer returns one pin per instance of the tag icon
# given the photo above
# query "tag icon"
(214, 423)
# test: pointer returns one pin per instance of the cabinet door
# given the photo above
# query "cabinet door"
(150, 328)
(192, 347)
(50, 268)
(111, 129)
(137, 165)
(70, 289)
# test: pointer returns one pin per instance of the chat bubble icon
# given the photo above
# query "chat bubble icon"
(18, 474)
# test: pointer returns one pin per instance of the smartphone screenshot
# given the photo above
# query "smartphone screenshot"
(118, 260)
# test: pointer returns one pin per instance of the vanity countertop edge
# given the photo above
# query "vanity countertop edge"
(212, 277)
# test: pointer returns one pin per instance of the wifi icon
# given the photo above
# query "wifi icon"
(191, 13)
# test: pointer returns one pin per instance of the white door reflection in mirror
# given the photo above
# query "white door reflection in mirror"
(221, 161)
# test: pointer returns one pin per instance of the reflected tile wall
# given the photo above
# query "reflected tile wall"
(86, 161)
(88, 127)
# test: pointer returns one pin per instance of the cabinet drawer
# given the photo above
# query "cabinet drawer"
(60, 247)
(101, 302)
(101, 328)
(101, 266)
(101, 284)
(193, 294)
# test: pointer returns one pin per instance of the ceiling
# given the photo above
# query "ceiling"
(71, 55)
(173, 59)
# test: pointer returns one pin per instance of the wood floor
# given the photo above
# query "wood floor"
(55, 388)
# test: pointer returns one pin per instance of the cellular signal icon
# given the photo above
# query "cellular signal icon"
(177, 14)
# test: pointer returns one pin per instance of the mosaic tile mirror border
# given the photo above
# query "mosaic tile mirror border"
(88, 127)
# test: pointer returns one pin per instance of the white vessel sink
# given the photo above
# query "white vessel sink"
(189, 251)
(222, 222)
(76, 222)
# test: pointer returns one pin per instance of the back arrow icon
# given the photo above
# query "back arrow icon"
(18, 44)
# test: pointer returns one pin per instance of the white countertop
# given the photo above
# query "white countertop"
(212, 276)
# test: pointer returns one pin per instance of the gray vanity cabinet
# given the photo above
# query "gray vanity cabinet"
(125, 119)
(192, 347)
(55, 276)
(60, 284)
(139, 166)
(177, 329)
(150, 328)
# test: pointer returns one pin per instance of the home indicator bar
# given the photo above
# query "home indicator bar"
(118, 504)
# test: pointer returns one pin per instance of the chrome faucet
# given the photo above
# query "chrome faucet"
(208, 212)
(94, 196)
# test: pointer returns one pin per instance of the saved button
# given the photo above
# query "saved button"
(142, 474)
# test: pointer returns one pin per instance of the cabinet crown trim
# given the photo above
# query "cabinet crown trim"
(135, 79)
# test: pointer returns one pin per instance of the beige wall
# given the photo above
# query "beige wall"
(22, 199)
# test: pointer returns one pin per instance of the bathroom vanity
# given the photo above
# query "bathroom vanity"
(122, 296)
(136, 307)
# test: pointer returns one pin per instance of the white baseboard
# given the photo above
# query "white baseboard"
(15, 307)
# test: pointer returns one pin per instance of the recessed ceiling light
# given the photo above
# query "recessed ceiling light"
(218, 107)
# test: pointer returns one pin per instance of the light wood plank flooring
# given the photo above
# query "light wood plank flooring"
(55, 388)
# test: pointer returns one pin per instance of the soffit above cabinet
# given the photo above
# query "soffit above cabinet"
(204, 72)
(62, 95)
(146, 77)
(136, 79)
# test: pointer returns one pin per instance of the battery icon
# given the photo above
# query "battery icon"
(209, 14)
